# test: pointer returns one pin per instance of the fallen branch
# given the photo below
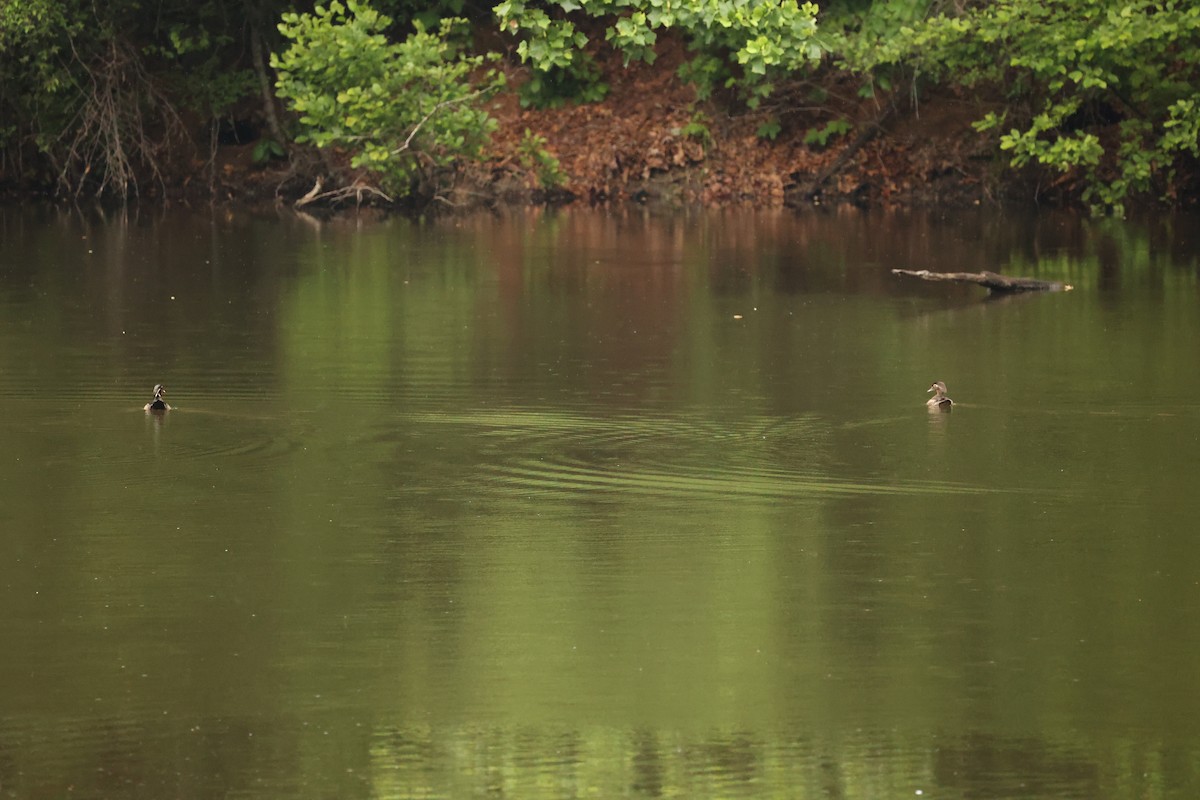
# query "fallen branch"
(992, 280)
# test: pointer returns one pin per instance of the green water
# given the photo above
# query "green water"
(597, 505)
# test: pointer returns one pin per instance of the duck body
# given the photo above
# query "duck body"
(158, 404)
(939, 401)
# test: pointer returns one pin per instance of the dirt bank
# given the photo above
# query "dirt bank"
(650, 140)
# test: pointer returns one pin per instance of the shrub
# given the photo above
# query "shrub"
(752, 43)
(404, 111)
(1109, 85)
(534, 156)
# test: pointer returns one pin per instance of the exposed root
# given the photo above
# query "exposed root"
(358, 190)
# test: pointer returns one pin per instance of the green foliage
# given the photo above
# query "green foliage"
(820, 137)
(1109, 84)
(93, 93)
(427, 13)
(697, 128)
(769, 129)
(533, 154)
(193, 56)
(742, 45)
(562, 71)
(403, 110)
(212, 91)
(267, 150)
(23, 22)
(706, 73)
(857, 32)
(577, 82)
(36, 79)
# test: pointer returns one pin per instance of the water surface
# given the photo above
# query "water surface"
(604, 505)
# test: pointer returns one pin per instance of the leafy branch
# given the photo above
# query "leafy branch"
(403, 111)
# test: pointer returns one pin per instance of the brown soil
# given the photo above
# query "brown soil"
(635, 145)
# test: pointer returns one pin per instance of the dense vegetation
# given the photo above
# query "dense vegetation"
(1105, 88)
(126, 98)
(403, 110)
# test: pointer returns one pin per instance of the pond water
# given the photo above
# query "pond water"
(586, 504)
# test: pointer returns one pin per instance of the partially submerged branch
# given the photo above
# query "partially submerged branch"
(992, 280)
(357, 190)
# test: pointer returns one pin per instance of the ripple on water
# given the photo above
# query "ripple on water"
(579, 428)
(252, 449)
(555, 454)
(253, 441)
(103, 448)
(717, 482)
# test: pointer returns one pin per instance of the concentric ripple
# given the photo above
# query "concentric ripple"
(574, 477)
(551, 453)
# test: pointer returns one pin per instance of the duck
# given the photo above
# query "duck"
(158, 404)
(939, 401)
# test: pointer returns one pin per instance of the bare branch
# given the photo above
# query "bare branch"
(108, 137)
(429, 116)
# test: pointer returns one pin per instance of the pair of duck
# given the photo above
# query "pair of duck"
(939, 401)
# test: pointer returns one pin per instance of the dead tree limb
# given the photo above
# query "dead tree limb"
(992, 280)
(124, 125)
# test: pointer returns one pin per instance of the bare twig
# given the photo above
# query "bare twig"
(412, 134)
(109, 137)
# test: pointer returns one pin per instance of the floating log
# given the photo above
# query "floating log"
(992, 280)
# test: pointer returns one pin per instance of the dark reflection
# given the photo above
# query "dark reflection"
(732, 761)
(647, 765)
(832, 779)
(216, 757)
(981, 766)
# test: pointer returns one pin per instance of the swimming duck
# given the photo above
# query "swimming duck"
(939, 401)
(158, 404)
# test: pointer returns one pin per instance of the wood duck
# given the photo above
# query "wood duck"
(939, 401)
(158, 404)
